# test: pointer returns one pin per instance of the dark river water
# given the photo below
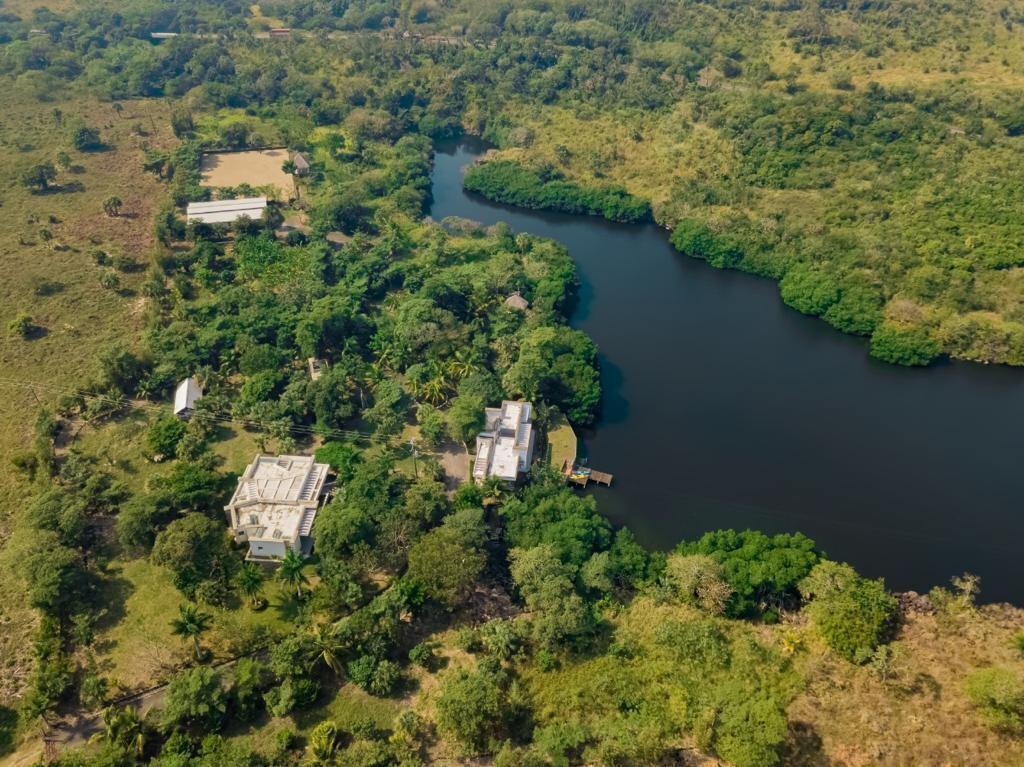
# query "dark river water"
(723, 408)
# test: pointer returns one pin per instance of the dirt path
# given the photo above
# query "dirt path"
(454, 460)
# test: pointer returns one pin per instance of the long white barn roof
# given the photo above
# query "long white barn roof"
(226, 211)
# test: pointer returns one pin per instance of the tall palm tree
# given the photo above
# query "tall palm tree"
(291, 571)
(123, 728)
(250, 581)
(328, 647)
(191, 623)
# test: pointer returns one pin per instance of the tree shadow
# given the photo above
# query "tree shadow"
(803, 747)
(116, 591)
(52, 189)
(289, 607)
(35, 332)
(8, 726)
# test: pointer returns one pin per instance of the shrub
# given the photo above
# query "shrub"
(21, 326)
(197, 697)
(293, 693)
(165, 434)
(854, 615)
(472, 709)
(694, 239)
(424, 654)
(809, 290)
(998, 694)
(86, 139)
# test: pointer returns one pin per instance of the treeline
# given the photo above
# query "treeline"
(510, 182)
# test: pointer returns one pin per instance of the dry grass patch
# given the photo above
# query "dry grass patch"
(260, 168)
(919, 715)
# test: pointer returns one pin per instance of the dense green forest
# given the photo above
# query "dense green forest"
(863, 156)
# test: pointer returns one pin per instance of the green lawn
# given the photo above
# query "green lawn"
(562, 442)
(135, 647)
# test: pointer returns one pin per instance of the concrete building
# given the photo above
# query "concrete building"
(505, 448)
(188, 393)
(275, 505)
(226, 211)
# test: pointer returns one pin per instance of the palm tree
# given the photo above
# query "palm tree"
(123, 728)
(250, 581)
(495, 490)
(327, 645)
(323, 744)
(191, 623)
(435, 391)
(291, 571)
(460, 365)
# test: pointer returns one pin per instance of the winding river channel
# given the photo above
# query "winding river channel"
(723, 408)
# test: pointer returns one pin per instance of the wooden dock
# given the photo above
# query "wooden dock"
(597, 477)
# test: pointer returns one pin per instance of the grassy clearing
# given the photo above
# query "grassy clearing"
(561, 442)
(135, 646)
(75, 317)
(919, 714)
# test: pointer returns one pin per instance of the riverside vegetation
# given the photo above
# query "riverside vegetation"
(516, 627)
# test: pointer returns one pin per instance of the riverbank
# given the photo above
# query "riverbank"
(723, 408)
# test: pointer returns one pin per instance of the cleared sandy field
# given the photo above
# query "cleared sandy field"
(258, 167)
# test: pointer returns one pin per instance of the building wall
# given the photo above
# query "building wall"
(267, 549)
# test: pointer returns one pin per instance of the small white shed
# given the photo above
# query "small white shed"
(185, 397)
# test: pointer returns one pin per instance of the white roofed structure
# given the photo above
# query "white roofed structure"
(226, 211)
(505, 448)
(185, 397)
(275, 504)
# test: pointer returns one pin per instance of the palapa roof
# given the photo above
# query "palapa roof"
(516, 301)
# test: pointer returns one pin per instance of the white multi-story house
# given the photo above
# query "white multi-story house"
(275, 504)
(504, 449)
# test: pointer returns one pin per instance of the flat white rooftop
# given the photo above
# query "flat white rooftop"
(294, 479)
(226, 211)
(505, 463)
(277, 498)
(505, 447)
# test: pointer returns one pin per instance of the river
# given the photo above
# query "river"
(724, 408)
